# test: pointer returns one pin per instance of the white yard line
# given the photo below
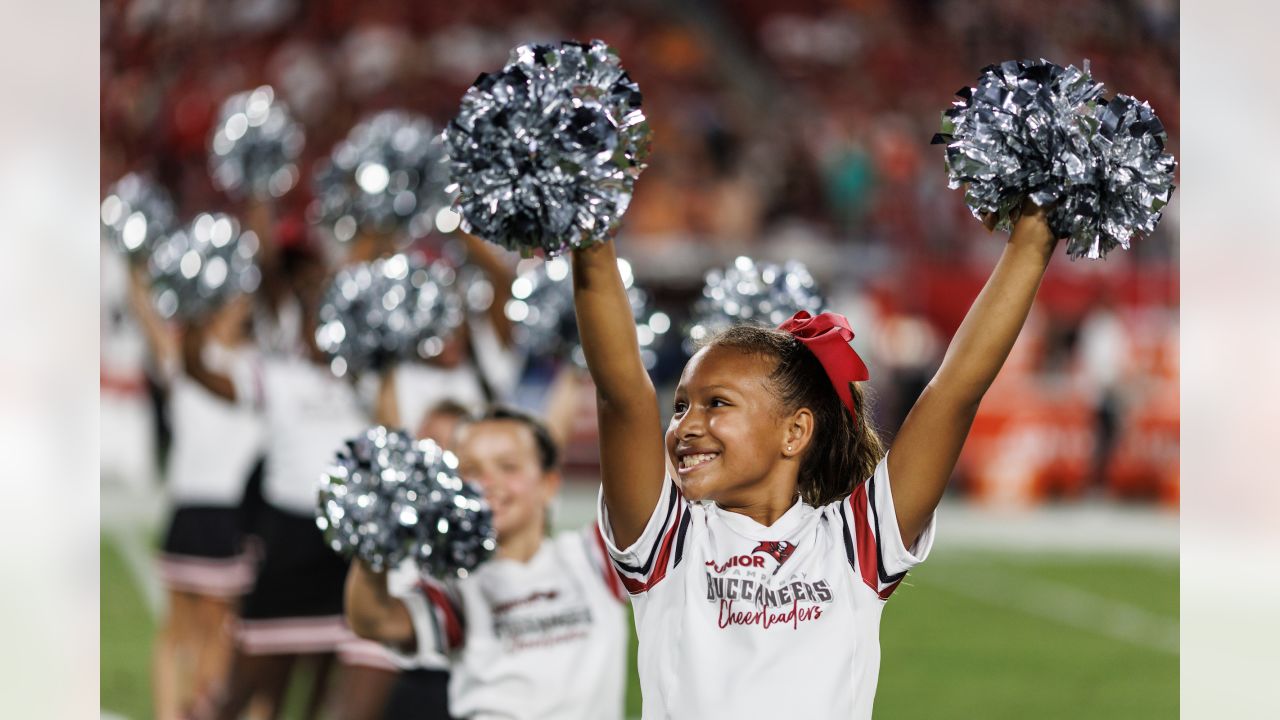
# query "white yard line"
(128, 521)
(1061, 603)
(139, 557)
(1097, 528)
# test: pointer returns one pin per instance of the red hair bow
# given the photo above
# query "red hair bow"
(828, 336)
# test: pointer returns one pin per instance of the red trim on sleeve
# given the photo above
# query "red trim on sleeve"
(888, 590)
(636, 587)
(864, 538)
(453, 630)
(611, 579)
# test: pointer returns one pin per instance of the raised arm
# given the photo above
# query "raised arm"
(386, 410)
(196, 335)
(372, 613)
(193, 364)
(631, 450)
(161, 340)
(500, 277)
(926, 448)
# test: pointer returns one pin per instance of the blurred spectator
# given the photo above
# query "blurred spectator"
(1104, 361)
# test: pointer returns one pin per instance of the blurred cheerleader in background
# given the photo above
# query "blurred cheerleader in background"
(216, 436)
(294, 609)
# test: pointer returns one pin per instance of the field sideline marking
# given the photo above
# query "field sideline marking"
(134, 549)
(1061, 603)
(129, 519)
(137, 557)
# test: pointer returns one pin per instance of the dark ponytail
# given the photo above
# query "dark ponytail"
(844, 451)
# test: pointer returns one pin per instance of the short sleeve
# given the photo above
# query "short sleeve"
(873, 540)
(645, 562)
(437, 620)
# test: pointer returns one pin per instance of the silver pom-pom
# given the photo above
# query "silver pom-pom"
(752, 293)
(255, 146)
(1021, 132)
(1040, 131)
(387, 497)
(541, 308)
(387, 176)
(196, 269)
(545, 153)
(136, 213)
(377, 313)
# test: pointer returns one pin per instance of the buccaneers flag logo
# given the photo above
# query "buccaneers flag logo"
(779, 549)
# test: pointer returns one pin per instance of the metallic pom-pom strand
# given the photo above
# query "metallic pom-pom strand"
(196, 269)
(546, 152)
(377, 313)
(387, 177)
(387, 497)
(1135, 181)
(136, 213)
(255, 146)
(541, 308)
(752, 293)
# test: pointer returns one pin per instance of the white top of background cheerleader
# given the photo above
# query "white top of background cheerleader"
(736, 619)
(309, 415)
(215, 441)
(542, 639)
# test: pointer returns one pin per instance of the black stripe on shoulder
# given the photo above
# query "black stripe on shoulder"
(684, 527)
(653, 551)
(875, 518)
(848, 537)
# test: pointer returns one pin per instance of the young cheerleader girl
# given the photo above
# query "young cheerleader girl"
(538, 631)
(421, 689)
(760, 544)
(216, 440)
(294, 609)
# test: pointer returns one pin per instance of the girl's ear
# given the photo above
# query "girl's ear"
(798, 432)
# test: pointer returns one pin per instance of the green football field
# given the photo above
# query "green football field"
(968, 635)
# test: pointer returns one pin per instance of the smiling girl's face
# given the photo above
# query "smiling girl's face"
(502, 457)
(727, 435)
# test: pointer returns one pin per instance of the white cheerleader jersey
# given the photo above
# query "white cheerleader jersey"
(215, 441)
(739, 620)
(309, 416)
(542, 639)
